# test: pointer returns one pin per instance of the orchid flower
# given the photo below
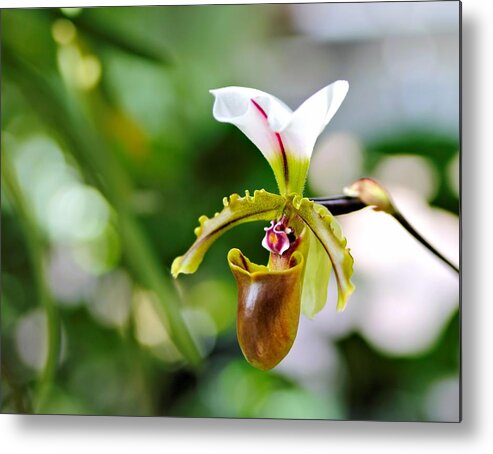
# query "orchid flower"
(304, 239)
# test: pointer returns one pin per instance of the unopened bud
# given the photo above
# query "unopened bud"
(371, 193)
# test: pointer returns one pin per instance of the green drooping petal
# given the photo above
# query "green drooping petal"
(263, 206)
(328, 232)
(316, 278)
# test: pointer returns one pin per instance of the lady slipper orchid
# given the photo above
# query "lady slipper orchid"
(304, 239)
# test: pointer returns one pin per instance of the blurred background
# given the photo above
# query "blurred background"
(110, 154)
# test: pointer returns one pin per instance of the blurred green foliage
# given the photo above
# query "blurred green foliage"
(121, 93)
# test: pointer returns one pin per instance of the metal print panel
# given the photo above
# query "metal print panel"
(241, 211)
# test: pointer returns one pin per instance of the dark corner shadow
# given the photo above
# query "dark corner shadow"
(470, 212)
(231, 428)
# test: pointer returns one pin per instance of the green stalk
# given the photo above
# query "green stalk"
(35, 249)
(63, 114)
(412, 231)
(144, 263)
(339, 205)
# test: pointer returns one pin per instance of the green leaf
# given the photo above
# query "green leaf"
(263, 206)
(316, 278)
(328, 232)
(106, 34)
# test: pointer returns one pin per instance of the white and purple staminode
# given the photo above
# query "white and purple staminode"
(276, 237)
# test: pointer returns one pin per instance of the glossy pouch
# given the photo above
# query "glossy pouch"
(269, 304)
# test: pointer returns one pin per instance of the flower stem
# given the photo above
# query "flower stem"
(339, 205)
(403, 221)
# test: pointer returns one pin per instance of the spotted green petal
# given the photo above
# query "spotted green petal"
(328, 232)
(263, 206)
(316, 278)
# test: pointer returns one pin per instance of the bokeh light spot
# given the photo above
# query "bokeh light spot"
(77, 212)
(335, 164)
(442, 400)
(31, 339)
(69, 283)
(453, 174)
(88, 72)
(410, 172)
(112, 299)
(63, 31)
(71, 12)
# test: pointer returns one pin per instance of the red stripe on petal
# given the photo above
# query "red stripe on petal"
(281, 145)
(279, 141)
(257, 105)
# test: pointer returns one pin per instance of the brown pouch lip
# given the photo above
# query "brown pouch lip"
(268, 308)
